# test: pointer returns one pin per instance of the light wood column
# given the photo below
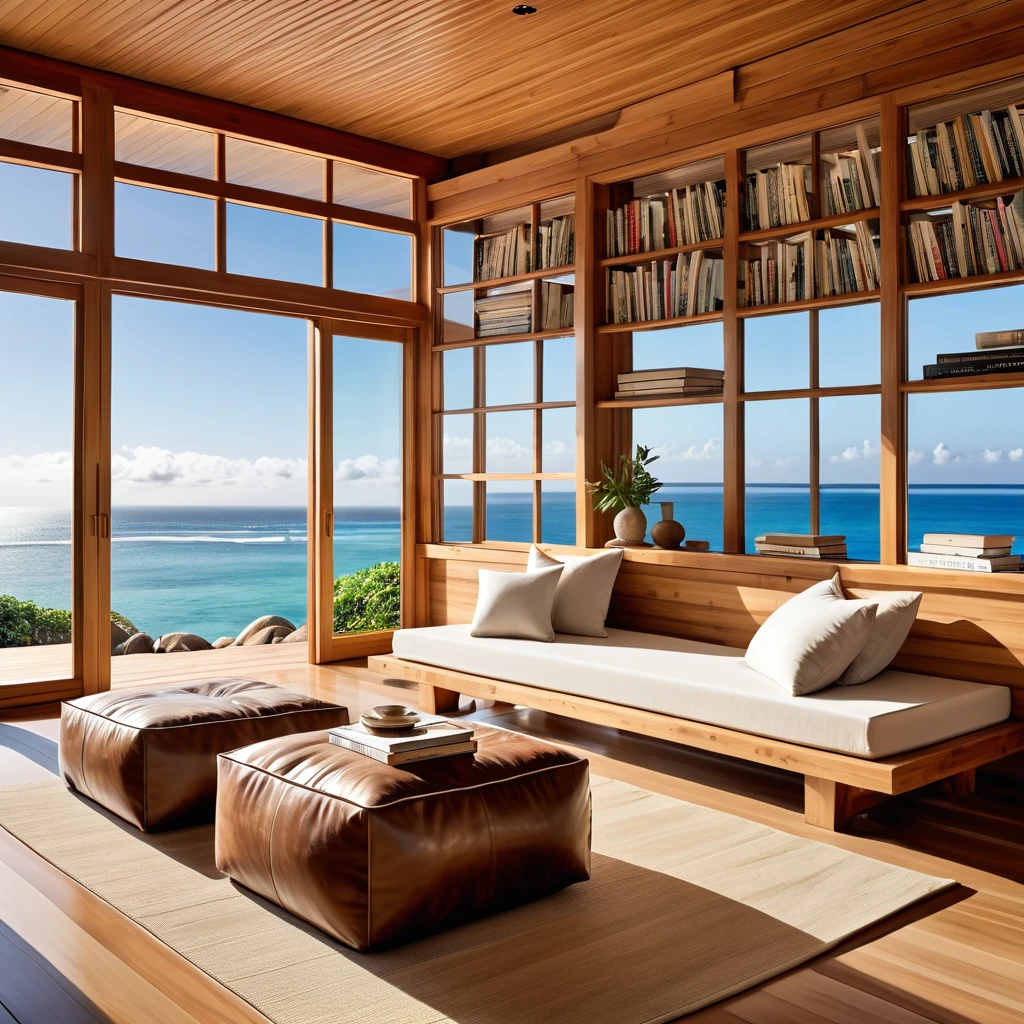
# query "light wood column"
(733, 509)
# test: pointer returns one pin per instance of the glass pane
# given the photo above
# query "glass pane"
(35, 206)
(168, 147)
(166, 227)
(777, 352)
(688, 443)
(278, 170)
(367, 484)
(778, 495)
(510, 511)
(458, 255)
(368, 189)
(37, 351)
(509, 375)
(209, 477)
(509, 442)
(457, 451)
(279, 246)
(948, 324)
(372, 262)
(457, 311)
(558, 432)
(559, 384)
(849, 441)
(458, 379)
(457, 496)
(699, 345)
(849, 346)
(36, 118)
(965, 464)
(558, 512)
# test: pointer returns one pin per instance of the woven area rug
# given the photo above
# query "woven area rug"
(686, 906)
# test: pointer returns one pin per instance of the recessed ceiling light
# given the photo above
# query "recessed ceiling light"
(524, 9)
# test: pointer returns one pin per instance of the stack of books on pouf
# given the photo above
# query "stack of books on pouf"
(974, 552)
(671, 381)
(398, 735)
(996, 352)
(802, 545)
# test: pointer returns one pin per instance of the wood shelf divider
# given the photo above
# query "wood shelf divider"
(498, 282)
(659, 254)
(836, 220)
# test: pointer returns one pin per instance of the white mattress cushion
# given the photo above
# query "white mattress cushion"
(894, 712)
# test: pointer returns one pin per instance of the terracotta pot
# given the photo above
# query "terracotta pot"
(630, 526)
(667, 533)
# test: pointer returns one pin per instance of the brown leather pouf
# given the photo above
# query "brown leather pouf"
(150, 754)
(376, 855)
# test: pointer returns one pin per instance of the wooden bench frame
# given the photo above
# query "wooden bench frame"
(836, 786)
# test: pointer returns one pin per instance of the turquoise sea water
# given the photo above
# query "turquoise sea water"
(212, 570)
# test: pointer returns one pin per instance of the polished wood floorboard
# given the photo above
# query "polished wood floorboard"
(67, 956)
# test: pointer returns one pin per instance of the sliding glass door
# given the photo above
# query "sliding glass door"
(360, 439)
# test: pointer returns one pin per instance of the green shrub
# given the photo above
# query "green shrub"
(25, 624)
(368, 599)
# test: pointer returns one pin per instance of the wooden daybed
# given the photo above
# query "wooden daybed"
(836, 785)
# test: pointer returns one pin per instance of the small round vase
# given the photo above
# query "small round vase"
(630, 526)
(666, 532)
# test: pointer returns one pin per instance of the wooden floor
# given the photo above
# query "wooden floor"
(66, 957)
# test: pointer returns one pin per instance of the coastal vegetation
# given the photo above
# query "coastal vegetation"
(368, 599)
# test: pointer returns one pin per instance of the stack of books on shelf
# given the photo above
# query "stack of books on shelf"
(502, 254)
(556, 242)
(684, 216)
(974, 552)
(972, 149)
(850, 180)
(802, 267)
(777, 196)
(670, 382)
(431, 737)
(982, 237)
(997, 352)
(556, 305)
(802, 545)
(663, 289)
(508, 311)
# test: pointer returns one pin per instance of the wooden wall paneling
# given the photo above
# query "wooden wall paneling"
(733, 476)
(893, 465)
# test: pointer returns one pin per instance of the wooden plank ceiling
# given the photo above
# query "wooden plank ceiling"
(448, 77)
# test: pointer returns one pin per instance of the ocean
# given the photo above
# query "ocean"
(212, 570)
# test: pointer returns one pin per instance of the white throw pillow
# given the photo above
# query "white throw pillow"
(809, 642)
(584, 591)
(516, 605)
(895, 614)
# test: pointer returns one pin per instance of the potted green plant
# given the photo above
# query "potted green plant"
(624, 492)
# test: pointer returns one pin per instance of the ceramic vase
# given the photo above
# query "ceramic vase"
(630, 526)
(667, 533)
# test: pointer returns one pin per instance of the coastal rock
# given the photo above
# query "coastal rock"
(263, 622)
(268, 635)
(117, 636)
(118, 650)
(223, 641)
(278, 640)
(172, 643)
(140, 643)
(300, 636)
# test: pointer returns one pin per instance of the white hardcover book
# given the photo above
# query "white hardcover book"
(999, 339)
(964, 550)
(972, 540)
(922, 558)
(436, 732)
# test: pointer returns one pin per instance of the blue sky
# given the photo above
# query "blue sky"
(209, 406)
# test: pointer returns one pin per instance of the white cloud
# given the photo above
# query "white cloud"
(146, 466)
(42, 468)
(754, 461)
(506, 449)
(787, 461)
(710, 449)
(915, 457)
(990, 455)
(454, 444)
(942, 454)
(369, 470)
(1016, 454)
(855, 453)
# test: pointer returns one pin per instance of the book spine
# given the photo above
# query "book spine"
(359, 748)
(937, 370)
(947, 562)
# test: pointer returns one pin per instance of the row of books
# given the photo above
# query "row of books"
(803, 267)
(430, 737)
(670, 382)
(686, 286)
(983, 237)
(850, 179)
(967, 551)
(972, 149)
(511, 311)
(802, 545)
(777, 196)
(684, 216)
(506, 253)
(988, 360)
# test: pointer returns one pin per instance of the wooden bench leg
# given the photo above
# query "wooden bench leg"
(435, 700)
(961, 784)
(831, 805)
